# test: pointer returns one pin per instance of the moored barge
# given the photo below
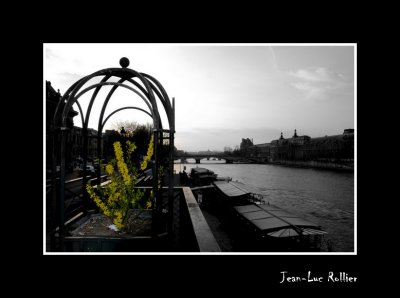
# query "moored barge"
(259, 225)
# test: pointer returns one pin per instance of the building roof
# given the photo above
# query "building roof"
(230, 189)
(277, 222)
(272, 220)
(263, 145)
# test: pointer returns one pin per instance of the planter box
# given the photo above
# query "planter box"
(94, 235)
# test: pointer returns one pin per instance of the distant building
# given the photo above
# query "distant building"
(179, 152)
(303, 148)
(53, 97)
(262, 151)
(348, 131)
(209, 152)
(109, 137)
(245, 145)
(299, 140)
(77, 143)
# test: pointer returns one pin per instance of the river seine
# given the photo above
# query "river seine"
(324, 197)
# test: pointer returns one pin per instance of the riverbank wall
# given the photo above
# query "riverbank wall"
(315, 164)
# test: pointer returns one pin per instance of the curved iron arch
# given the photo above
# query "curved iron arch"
(117, 72)
(162, 96)
(109, 95)
(121, 109)
(85, 124)
(111, 84)
(166, 102)
(151, 89)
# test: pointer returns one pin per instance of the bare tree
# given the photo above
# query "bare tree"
(128, 126)
(138, 133)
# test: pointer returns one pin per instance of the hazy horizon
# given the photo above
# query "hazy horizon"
(224, 93)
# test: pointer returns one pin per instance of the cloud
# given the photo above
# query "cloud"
(316, 75)
(72, 77)
(50, 54)
(274, 60)
(317, 82)
(310, 90)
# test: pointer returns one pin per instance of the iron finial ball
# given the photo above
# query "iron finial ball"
(124, 62)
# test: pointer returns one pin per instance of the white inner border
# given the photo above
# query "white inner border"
(354, 45)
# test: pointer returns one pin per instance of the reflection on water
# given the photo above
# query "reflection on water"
(320, 196)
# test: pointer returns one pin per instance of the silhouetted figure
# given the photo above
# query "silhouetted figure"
(123, 132)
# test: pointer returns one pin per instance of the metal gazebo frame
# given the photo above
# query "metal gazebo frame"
(149, 93)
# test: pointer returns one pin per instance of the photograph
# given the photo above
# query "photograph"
(201, 149)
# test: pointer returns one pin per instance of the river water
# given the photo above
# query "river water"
(324, 197)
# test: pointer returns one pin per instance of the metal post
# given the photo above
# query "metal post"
(53, 191)
(174, 203)
(62, 192)
(84, 180)
(156, 201)
(99, 155)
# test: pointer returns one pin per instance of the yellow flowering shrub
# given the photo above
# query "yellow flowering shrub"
(117, 197)
(149, 154)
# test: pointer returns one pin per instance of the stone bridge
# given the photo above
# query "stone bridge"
(227, 158)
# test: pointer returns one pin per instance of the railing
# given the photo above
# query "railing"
(205, 239)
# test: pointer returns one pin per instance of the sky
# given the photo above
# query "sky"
(223, 92)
